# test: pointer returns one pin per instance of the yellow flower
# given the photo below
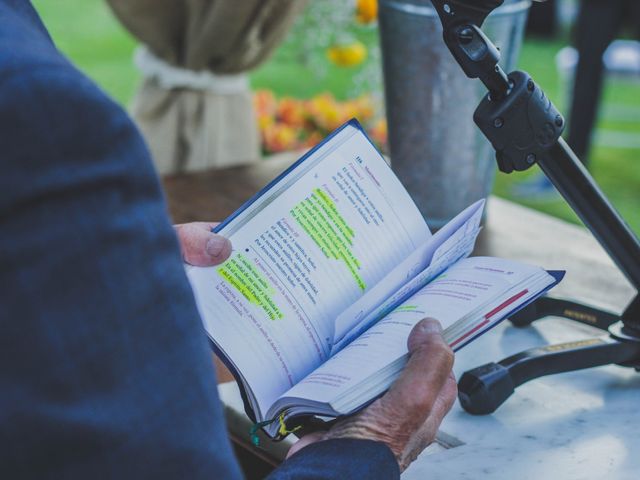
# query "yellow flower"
(347, 55)
(366, 11)
(325, 112)
(265, 121)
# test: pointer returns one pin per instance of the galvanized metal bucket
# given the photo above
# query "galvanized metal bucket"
(436, 150)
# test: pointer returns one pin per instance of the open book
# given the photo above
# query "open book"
(332, 267)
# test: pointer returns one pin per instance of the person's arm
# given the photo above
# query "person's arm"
(106, 370)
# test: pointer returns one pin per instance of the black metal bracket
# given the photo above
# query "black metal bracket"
(475, 53)
(525, 129)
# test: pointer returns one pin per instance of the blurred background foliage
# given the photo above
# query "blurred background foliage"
(87, 32)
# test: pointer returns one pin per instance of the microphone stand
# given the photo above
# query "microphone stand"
(524, 127)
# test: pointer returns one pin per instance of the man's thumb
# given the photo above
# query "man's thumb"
(423, 332)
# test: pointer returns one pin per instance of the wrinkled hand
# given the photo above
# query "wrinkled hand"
(407, 417)
(201, 247)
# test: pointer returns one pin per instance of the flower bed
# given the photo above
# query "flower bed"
(288, 123)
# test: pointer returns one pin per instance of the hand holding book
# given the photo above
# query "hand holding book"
(407, 417)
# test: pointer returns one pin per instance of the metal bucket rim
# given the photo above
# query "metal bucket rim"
(429, 11)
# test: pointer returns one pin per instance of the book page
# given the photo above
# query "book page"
(451, 243)
(466, 288)
(303, 252)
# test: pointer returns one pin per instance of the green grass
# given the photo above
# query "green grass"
(86, 31)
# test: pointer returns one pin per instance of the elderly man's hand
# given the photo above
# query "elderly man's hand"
(407, 417)
(201, 247)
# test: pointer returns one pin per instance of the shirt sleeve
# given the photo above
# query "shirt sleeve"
(340, 459)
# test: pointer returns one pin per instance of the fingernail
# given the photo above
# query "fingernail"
(215, 245)
(429, 325)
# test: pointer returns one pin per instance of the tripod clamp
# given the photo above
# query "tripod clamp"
(525, 129)
(516, 116)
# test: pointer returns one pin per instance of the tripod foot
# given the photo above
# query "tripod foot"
(483, 389)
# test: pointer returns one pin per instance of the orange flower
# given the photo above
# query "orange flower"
(291, 112)
(379, 133)
(265, 102)
(313, 139)
(366, 11)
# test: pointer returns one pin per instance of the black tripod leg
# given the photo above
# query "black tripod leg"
(482, 390)
(556, 307)
(525, 128)
(631, 318)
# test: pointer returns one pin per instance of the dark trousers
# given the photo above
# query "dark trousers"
(599, 22)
